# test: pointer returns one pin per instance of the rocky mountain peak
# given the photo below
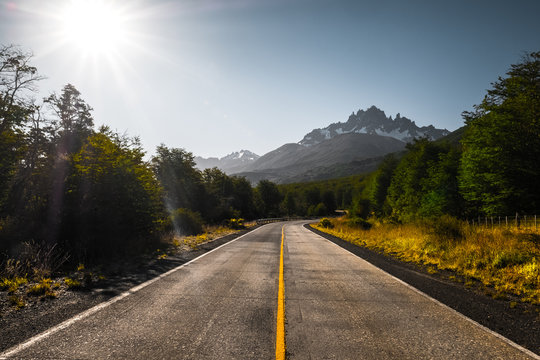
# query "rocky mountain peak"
(230, 163)
(375, 122)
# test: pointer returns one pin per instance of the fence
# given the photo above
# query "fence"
(529, 222)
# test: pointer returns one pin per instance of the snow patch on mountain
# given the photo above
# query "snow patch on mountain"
(234, 162)
(374, 121)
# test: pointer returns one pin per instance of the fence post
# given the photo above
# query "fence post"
(525, 221)
(506, 218)
(517, 224)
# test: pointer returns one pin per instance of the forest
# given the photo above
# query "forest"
(70, 189)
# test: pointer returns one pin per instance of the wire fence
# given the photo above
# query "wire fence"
(526, 222)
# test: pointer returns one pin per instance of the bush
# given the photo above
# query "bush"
(236, 224)
(510, 258)
(358, 222)
(11, 285)
(41, 288)
(326, 223)
(187, 222)
(445, 229)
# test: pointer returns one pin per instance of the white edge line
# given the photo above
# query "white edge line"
(17, 348)
(501, 337)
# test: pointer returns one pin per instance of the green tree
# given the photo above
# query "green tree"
(18, 81)
(243, 197)
(500, 166)
(379, 187)
(289, 204)
(406, 191)
(440, 190)
(219, 196)
(329, 201)
(182, 182)
(73, 119)
(72, 124)
(113, 201)
(268, 198)
(312, 196)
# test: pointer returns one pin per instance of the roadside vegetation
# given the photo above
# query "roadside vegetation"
(505, 260)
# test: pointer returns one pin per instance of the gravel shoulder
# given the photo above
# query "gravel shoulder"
(517, 321)
(42, 313)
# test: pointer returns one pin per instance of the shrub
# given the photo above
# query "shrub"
(41, 288)
(236, 224)
(17, 301)
(326, 223)
(72, 283)
(445, 229)
(510, 258)
(358, 222)
(187, 222)
(12, 284)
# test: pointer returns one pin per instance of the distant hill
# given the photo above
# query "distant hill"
(286, 176)
(340, 149)
(234, 162)
(454, 137)
(341, 155)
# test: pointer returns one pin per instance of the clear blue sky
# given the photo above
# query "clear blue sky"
(218, 76)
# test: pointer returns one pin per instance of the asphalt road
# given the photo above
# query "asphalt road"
(223, 305)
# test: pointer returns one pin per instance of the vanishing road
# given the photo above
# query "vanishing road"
(224, 305)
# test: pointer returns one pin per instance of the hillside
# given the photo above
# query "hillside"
(342, 155)
(340, 149)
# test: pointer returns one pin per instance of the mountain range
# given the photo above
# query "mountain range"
(373, 121)
(340, 149)
(232, 163)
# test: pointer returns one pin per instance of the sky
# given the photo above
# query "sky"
(217, 76)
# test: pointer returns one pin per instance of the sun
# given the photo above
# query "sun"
(94, 26)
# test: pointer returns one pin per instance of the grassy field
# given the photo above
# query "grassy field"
(505, 260)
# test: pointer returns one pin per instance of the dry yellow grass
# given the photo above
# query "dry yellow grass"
(210, 233)
(505, 259)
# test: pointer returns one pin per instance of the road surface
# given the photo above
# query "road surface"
(223, 305)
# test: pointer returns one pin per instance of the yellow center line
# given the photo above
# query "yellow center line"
(280, 332)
